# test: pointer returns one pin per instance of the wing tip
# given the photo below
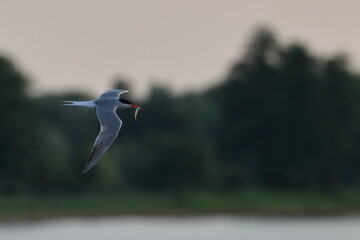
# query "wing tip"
(92, 161)
(86, 169)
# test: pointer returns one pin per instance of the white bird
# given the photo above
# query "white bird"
(110, 123)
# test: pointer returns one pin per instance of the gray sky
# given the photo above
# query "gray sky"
(183, 44)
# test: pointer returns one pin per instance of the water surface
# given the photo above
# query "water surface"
(186, 228)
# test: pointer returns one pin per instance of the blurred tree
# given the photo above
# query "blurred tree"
(246, 103)
(339, 123)
(20, 145)
(288, 119)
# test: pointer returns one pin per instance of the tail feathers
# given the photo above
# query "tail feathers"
(78, 103)
(67, 103)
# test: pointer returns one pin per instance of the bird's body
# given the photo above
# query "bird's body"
(110, 123)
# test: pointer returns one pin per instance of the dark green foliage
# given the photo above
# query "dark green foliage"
(291, 117)
(20, 141)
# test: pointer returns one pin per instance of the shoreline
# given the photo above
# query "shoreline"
(41, 217)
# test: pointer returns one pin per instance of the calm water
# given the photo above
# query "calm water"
(186, 228)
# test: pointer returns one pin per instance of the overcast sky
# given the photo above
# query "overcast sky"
(184, 44)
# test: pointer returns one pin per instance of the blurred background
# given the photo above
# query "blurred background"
(250, 121)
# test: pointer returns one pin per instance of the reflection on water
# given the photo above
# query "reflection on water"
(186, 228)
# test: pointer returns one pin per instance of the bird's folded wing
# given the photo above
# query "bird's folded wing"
(110, 125)
(113, 94)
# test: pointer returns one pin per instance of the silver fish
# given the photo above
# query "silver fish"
(137, 111)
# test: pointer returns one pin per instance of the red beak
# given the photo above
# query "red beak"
(134, 106)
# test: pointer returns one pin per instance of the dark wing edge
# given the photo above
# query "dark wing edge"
(97, 153)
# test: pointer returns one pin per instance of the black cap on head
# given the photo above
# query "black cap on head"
(125, 101)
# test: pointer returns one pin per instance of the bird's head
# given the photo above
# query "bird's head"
(128, 103)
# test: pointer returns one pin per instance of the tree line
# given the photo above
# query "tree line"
(282, 118)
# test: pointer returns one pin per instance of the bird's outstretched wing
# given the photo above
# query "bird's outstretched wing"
(110, 125)
(113, 94)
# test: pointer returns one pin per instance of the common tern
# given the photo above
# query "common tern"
(110, 123)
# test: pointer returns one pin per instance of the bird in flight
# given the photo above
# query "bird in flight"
(110, 123)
